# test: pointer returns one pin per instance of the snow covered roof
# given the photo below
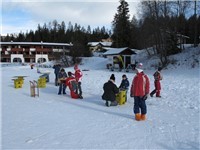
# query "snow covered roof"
(102, 43)
(35, 43)
(116, 51)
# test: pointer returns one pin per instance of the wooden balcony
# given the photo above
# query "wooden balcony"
(29, 56)
(44, 50)
(5, 56)
(16, 49)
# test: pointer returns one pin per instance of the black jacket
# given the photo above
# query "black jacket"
(110, 91)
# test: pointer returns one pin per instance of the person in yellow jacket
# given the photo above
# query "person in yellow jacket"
(120, 62)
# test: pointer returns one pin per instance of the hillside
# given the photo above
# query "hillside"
(188, 58)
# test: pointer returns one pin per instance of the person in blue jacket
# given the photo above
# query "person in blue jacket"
(62, 76)
(56, 68)
(124, 84)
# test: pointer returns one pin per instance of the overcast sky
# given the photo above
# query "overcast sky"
(25, 15)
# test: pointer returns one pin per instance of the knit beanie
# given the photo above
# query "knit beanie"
(69, 73)
(124, 76)
(112, 77)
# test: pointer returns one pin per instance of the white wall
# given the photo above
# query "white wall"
(17, 56)
(37, 56)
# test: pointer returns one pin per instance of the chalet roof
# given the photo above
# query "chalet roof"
(101, 43)
(35, 43)
(117, 51)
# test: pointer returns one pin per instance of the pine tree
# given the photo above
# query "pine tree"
(121, 26)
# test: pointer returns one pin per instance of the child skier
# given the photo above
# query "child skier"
(157, 77)
(72, 84)
(78, 76)
(124, 84)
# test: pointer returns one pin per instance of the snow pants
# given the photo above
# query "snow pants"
(157, 89)
(56, 80)
(79, 89)
(139, 105)
(74, 95)
(62, 88)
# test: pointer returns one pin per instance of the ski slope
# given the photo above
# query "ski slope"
(53, 121)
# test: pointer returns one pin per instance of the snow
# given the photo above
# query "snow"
(53, 121)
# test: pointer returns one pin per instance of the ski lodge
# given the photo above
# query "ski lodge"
(31, 52)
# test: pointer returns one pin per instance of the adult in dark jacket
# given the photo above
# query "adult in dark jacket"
(110, 91)
(62, 76)
(56, 68)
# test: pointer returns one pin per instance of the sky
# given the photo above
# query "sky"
(25, 15)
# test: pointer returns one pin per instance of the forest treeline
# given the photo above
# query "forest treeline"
(158, 24)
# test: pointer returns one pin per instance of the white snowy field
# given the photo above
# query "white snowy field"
(53, 121)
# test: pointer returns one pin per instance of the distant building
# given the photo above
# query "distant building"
(98, 46)
(107, 40)
(31, 52)
(182, 39)
(125, 53)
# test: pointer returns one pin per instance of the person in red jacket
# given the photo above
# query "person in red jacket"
(157, 76)
(72, 84)
(78, 76)
(140, 90)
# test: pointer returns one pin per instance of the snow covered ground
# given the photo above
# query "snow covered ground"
(53, 121)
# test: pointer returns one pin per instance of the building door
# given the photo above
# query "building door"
(19, 60)
(127, 61)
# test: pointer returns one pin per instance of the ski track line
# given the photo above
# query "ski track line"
(31, 140)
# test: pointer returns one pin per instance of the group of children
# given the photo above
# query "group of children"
(71, 80)
(139, 90)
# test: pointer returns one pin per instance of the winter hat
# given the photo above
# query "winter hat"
(75, 67)
(62, 70)
(123, 76)
(69, 73)
(112, 77)
(139, 67)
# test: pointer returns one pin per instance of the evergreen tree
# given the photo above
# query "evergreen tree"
(121, 26)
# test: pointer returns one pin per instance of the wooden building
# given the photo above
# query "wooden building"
(125, 53)
(31, 52)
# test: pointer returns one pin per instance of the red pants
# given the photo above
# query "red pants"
(74, 95)
(157, 88)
